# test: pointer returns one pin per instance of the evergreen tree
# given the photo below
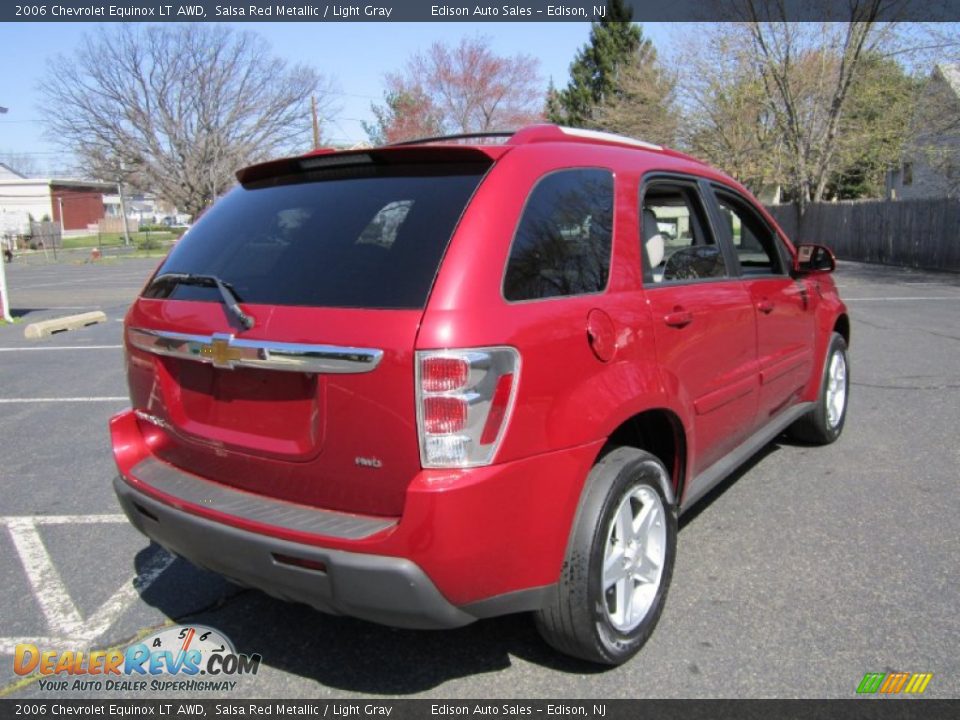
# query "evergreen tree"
(594, 73)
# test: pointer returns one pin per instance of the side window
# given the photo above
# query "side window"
(677, 244)
(562, 244)
(754, 241)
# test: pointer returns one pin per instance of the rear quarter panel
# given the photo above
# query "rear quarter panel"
(566, 396)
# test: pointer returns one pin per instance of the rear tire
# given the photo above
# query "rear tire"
(824, 423)
(619, 562)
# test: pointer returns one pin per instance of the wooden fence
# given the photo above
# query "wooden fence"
(908, 233)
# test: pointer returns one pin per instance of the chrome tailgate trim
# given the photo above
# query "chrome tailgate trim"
(227, 352)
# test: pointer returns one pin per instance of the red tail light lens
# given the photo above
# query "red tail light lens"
(443, 415)
(498, 409)
(443, 374)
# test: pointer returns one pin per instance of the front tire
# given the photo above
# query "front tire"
(619, 562)
(824, 423)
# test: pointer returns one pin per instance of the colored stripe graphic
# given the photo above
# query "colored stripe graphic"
(893, 683)
(918, 683)
(870, 683)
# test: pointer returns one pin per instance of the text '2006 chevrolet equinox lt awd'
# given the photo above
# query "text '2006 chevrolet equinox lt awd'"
(440, 381)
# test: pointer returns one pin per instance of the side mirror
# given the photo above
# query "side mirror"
(812, 259)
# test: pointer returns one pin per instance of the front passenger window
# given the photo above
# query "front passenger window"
(753, 240)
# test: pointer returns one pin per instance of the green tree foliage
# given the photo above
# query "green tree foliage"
(642, 105)
(595, 72)
(406, 113)
(874, 127)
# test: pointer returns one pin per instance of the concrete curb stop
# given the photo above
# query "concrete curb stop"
(43, 328)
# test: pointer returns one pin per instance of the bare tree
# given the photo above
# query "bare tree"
(175, 109)
(21, 163)
(727, 120)
(460, 89)
(807, 70)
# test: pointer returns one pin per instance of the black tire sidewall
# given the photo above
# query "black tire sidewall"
(831, 433)
(615, 645)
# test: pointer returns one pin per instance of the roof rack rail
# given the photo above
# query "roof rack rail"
(460, 136)
(548, 132)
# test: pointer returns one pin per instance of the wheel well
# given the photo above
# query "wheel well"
(842, 326)
(659, 432)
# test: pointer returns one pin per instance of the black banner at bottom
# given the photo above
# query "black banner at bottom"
(854, 709)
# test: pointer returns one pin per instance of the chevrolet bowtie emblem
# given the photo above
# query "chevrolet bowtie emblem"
(220, 352)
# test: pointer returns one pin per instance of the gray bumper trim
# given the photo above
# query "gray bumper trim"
(388, 590)
(248, 506)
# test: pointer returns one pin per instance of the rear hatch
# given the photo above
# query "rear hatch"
(330, 260)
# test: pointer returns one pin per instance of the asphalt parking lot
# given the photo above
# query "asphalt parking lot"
(809, 568)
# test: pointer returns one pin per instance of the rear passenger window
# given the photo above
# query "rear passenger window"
(562, 245)
(677, 244)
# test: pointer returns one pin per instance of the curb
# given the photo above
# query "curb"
(43, 328)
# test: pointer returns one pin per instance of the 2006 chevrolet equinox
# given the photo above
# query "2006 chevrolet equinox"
(439, 381)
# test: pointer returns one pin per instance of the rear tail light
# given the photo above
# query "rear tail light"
(464, 398)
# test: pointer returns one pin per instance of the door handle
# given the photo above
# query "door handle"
(678, 318)
(765, 306)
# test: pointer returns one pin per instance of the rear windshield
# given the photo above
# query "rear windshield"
(365, 238)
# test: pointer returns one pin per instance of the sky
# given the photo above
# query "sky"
(355, 55)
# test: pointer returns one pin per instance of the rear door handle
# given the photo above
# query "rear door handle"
(678, 318)
(765, 306)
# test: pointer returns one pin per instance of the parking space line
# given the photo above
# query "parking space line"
(62, 347)
(24, 401)
(8, 645)
(76, 519)
(62, 615)
(128, 594)
(67, 628)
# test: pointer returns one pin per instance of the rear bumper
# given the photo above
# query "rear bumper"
(470, 543)
(389, 590)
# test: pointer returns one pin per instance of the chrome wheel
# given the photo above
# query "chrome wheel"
(836, 399)
(633, 559)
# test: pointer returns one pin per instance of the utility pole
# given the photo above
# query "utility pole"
(123, 213)
(316, 122)
(4, 298)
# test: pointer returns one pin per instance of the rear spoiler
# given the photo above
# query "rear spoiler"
(395, 155)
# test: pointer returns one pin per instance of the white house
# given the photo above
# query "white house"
(80, 201)
(931, 159)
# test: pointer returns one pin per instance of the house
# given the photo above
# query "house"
(8, 173)
(931, 159)
(79, 201)
(145, 208)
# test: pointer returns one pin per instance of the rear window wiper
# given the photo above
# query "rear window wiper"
(229, 296)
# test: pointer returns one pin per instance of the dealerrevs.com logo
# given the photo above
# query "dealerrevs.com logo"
(184, 658)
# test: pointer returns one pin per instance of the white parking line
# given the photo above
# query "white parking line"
(67, 628)
(25, 401)
(62, 347)
(57, 606)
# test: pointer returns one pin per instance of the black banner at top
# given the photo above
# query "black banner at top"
(463, 11)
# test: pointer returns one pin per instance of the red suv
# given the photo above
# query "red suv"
(440, 381)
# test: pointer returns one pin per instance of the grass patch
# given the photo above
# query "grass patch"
(154, 237)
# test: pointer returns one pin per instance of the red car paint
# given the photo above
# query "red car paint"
(716, 360)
